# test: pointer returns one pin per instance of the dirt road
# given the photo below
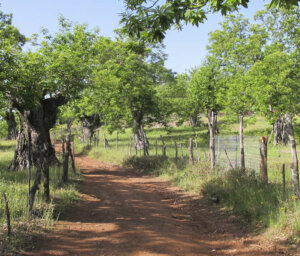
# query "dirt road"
(126, 213)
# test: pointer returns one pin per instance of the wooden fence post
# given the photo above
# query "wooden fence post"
(229, 162)
(283, 179)
(263, 158)
(130, 145)
(181, 150)
(7, 214)
(72, 154)
(66, 160)
(163, 147)
(176, 151)
(191, 154)
(117, 142)
(196, 148)
(104, 140)
(156, 147)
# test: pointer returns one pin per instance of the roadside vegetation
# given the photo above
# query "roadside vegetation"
(129, 109)
(15, 184)
(263, 208)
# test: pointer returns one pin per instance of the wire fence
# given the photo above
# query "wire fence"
(230, 145)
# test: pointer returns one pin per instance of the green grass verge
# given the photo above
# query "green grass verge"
(14, 184)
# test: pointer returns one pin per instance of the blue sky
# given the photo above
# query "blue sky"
(185, 49)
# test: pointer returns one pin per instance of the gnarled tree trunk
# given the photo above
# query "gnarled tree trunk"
(280, 131)
(139, 136)
(39, 120)
(89, 125)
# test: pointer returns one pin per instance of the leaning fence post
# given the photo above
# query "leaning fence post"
(229, 162)
(7, 214)
(263, 158)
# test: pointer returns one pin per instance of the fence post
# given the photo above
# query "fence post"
(156, 146)
(196, 148)
(229, 162)
(163, 147)
(181, 150)
(104, 140)
(191, 155)
(283, 179)
(130, 145)
(7, 214)
(117, 143)
(263, 158)
(176, 151)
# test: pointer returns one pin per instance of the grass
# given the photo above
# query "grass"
(14, 184)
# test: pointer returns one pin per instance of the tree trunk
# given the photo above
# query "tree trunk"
(39, 120)
(294, 165)
(140, 138)
(242, 143)
(90, 124)
(11, 125)
(211, 114)
(280, 131)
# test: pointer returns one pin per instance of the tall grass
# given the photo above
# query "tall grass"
(15, 185)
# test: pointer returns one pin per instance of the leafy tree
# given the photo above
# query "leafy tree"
(11, 42)
(55, 73)
(275, 83)
(206, 89)
(151, 19)
(281, 27)
(127, 91)
(237, 45)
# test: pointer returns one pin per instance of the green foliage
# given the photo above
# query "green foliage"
(151, 20)
(273, 85)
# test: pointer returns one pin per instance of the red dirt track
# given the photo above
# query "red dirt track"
(122, 212)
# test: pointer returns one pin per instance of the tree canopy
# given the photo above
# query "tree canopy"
(151, 19)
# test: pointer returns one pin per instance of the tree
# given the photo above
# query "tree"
(42, 80)
(151, 19)
(275, 82)
(206, 90)
(127, 84)
(237, 45)
(11, 42)
(282, 32)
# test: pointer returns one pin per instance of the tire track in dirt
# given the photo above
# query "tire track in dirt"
(122, 212)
